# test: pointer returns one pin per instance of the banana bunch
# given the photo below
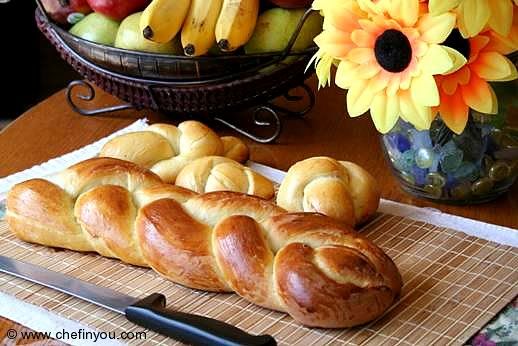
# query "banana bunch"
(229, 23)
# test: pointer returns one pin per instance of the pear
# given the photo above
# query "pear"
(130, 37)
(97, 28)
(275, 27)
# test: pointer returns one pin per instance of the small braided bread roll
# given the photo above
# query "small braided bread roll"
(165, 149)
(216, 173)
(319, 271)
(339, 189)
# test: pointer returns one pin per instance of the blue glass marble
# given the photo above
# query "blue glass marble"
(436, 159)
(450, 157)
(419, 175)
(420, 139)
(392, 152)
(451, 181)
(398, 141)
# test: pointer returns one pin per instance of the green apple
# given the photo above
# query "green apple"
(130, 37)
(97, 28)
(276, 26)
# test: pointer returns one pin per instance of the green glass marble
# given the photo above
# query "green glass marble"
(434, 191)
(482, 186)
(435, 179)
(487, 163)
(499, 171)
(462, 191)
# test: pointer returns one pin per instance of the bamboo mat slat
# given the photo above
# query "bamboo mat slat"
(453, 285)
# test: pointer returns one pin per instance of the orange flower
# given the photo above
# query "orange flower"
(468, 87)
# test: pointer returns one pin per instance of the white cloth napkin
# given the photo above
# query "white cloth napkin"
(59, 163)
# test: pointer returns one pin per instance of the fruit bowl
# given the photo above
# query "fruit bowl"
(182, 85)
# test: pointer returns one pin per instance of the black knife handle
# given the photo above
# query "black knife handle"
(151, 313)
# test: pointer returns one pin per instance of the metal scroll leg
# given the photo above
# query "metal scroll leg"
(89, 96)
(274, 123)
(308, 97)
(267, 116)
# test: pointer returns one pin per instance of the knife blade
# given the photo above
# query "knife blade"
(271, 173)
(149, 312)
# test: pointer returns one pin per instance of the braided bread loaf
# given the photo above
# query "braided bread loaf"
(216, 173)
(166, 149)
(316, 269)
(339, 189)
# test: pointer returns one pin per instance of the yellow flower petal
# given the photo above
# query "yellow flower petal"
(419, 116)
(323, 70)
(370, 6)
(384, 112)
(346, 74)
(406, 11)
(361, 55)
(494, 110)
(435, 29)
(424, 90)
(359, 98)
(501, 16)
(473, 16)
(334, 43)
(363, 38)
(370, 26)
(393, 85)
(457, 58)
(436, 60)
(437, 7)
(492, 66)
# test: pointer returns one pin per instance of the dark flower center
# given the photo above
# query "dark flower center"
(459, 43)
(393, 51)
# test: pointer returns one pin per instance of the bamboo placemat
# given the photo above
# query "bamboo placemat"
(453, 285)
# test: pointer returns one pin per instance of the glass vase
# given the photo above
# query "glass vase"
(475, 166)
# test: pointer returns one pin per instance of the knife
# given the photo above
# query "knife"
(274, 174)
(149, 312)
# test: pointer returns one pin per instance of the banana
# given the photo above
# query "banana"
(198, 30)
(163, 19)
(236, 23)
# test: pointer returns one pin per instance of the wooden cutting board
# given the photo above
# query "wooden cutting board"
(453, 285)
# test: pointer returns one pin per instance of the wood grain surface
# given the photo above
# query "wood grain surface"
(51, 129)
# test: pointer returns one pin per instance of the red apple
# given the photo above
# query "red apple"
(118, 9)
(292, 3)
(61, 11)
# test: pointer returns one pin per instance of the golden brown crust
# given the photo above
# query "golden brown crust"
(339, 189)
(313, 267)
(217, 173)
(166, 149)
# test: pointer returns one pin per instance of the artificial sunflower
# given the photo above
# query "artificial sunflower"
(386, 57)
(473, 16)
(468, 87)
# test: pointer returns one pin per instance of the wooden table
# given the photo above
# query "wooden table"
(51, 129)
